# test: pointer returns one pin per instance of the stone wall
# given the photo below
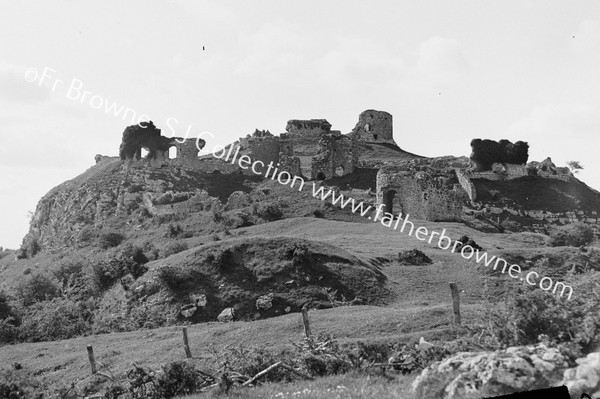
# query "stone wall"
(308, 126)
(466, 184)
(426, 194)
(337, 156)
(545, 169)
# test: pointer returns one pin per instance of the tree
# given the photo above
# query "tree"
(574, 166)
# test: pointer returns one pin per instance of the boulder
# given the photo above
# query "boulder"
(585, 378)
(226, 315)
(188, 310)
(264, 302)
(489, 374)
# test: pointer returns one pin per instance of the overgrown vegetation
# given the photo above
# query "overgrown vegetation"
(529, 315)
(574, 234)
(109, 239)
(413, 257)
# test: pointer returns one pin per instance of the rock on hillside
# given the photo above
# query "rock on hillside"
(489, 374)
(112, 191)
(257, 277)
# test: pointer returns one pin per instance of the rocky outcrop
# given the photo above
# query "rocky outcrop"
(489, 374)
(226, 315)
(585, 378)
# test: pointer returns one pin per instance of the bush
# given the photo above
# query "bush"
(530, 312)
(16, 385)
(38, 288)
(173, 230)
(130, 260)
(238, 219)
(318, 213)
(269, 211)
(110, 239)
(9, 331)
(174, 248)
(4, 252)
(29, 249)
(465, 240)
(413, 257)
(574, 234)
(56, 319)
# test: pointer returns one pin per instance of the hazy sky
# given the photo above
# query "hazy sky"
(448, 72)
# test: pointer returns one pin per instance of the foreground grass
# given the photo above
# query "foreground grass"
(351, 386)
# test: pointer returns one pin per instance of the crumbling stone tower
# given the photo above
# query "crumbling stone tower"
(374, 127)
(337, 156)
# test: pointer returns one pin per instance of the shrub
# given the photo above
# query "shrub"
(9, 331)
(29, 249)
(217, 213)
(269, 211)
(56, 319)
(16, 385)
(174, 248)
(465, 240)
(36, 289)
(413, 257)
(529, 312)
(574, 234)
(237, 219)
(318, 213)
(4, 252)
(173, 230)
(110, 239)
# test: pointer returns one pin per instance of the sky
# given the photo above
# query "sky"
(448, 72)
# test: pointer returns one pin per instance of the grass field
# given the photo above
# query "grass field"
(419, 305)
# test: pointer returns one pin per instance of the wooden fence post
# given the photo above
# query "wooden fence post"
(90, 352)
(305, 321)
(186, 344)
(455, 302)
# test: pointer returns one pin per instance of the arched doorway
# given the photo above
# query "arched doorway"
(173, 152)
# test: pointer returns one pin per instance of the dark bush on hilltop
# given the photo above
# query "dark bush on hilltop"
(38, 288)
(110, 239)
(413, 257)
(574, 234)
